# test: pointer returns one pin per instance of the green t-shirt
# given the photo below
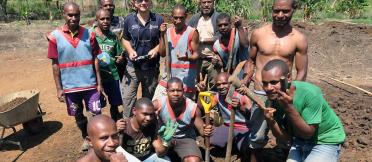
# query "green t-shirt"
(110, 45)
(309, 102)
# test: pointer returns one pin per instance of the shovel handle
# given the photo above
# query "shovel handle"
(230, 135)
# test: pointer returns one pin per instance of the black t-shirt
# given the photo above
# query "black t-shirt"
(139, 144)
(143, 38)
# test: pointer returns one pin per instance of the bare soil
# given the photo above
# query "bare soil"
(12, 104)
(337, 50)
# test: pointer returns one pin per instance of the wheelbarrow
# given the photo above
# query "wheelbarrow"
(28, 113)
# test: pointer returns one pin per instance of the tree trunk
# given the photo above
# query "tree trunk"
(3, 10)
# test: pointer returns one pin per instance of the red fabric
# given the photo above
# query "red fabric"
(76, 64)
(52, 48)
(79, 89)
(184, 66)
(232, 38)
(229, 46)
(176, 37)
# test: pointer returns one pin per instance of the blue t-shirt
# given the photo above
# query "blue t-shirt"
(143, 38)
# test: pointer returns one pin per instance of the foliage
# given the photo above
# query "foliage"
(266, 9)
(3, 9)
(34, 10)
(309, 10)
(240, 8)
(310, 7)
(354, 8)
(190, 5)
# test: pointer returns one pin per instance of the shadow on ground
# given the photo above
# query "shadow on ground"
(29, 141)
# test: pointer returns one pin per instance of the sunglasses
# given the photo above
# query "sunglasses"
(175, 17)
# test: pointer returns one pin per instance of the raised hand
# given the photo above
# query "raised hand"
(237, 21)
(121, 125)
(269, 113)
(163, 28)
(167, 131)
(202, 85)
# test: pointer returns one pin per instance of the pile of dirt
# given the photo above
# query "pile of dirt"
(354, 110)
(12, 104)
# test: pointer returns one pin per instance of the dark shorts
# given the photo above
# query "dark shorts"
(186, 147)
(74, 102)
(221, 134)
(112, 90)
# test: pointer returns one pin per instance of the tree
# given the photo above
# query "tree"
(3, 9)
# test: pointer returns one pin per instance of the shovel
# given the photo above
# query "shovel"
(208, 102)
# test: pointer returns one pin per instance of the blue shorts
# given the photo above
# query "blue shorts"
(306, 151)
(112, 90)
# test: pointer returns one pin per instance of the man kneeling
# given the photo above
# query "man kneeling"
(140, 133)
(300, 112)
(242, 105)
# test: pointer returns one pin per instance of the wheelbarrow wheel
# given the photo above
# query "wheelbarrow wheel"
(34, 126)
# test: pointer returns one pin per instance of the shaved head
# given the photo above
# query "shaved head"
(179, 7)
(103, 1)
(98, 123)
(68, 5)
(222, 75)
(101, 11)
(103, 136)
(174, 80)
(276, 63)
(293, 2)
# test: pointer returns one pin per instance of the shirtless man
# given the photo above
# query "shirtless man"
(278, 40)
(103, 139)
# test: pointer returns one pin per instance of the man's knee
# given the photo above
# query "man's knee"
(191, 159)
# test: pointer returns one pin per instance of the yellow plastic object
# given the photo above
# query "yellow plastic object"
(207, 100)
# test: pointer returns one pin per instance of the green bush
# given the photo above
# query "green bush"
(354, 8)
(240, 8)
(34, 10)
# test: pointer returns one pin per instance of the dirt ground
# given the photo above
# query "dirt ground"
(338, 50)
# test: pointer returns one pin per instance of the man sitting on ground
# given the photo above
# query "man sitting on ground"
(242, 105)
(301, 113)
(140, 133)
(103, 139)
(184, 111)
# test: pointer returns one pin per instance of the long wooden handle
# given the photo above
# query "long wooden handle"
(207, 139)
(169, 61)
(230, 135)
(231, 52)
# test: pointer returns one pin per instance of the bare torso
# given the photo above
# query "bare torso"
(267, 45)
(89, 157)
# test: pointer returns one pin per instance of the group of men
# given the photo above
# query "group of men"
(118, 54)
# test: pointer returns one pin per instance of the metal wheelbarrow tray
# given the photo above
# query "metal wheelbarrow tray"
(22, 113)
